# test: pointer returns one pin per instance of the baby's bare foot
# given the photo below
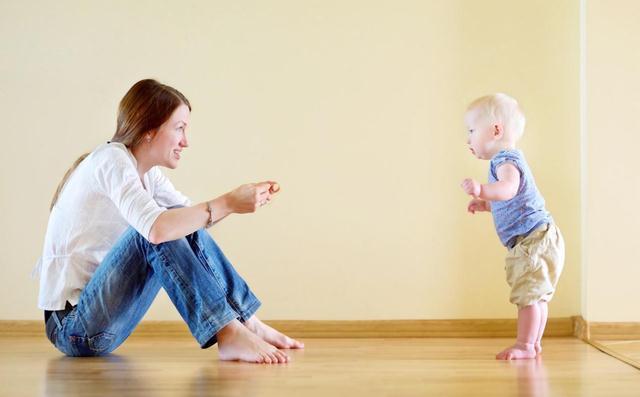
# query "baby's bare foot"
(237, 343)
(272, 336)
(518, 351)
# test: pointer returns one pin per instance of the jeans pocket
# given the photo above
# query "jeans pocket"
(101, 343)
(82, 346)
(76, 346)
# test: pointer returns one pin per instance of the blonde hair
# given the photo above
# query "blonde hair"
(503, 109)
(146, 106)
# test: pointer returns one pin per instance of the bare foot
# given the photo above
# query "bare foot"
(237, 343)
(538, 348)
(518, 351)
(272, 336)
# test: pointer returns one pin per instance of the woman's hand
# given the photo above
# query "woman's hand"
(179, 222)
(251, 196)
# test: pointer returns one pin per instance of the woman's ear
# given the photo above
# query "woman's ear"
(149, 135)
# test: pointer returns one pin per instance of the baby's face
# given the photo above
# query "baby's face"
(481, 134)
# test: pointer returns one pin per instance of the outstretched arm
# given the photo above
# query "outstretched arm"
(179, 222)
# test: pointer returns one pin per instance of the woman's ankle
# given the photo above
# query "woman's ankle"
(229, 329)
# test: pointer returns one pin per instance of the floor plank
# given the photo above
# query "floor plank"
(30, 366)
(627, 350)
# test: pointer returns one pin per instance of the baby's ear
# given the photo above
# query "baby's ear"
(498, 131)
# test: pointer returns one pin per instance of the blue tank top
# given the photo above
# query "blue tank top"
(525, 211)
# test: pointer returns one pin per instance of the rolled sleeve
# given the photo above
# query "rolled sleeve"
(119, 180)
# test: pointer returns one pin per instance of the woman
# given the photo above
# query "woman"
(119, 231)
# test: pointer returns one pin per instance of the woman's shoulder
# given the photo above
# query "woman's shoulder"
(110, 153)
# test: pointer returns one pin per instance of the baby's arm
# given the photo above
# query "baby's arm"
(504, 189)
(478, 205)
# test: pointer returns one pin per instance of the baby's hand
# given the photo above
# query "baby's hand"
(471, 187)
(477, 205)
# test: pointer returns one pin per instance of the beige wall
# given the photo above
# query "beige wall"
(613, 182)
(354, 107)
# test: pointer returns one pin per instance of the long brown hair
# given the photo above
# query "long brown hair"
(145, 107)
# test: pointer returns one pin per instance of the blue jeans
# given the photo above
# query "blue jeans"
(194, 272)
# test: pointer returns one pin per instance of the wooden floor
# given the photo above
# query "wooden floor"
(30, 366)
(627, 350)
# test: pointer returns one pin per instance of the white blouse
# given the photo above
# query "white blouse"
(102, 197)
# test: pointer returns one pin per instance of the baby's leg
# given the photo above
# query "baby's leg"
(544, 311)
(528, 328)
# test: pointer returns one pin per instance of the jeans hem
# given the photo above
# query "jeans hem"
(208, 337)
(248, 313)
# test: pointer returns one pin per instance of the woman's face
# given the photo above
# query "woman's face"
(169, 140)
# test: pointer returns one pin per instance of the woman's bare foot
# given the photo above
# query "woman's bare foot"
(518, 351)
(272, 336)
(237, 343)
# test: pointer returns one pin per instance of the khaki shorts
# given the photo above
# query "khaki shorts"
(534, 265)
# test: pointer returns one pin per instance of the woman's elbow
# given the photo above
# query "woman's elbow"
(156, 235)
(154, 238)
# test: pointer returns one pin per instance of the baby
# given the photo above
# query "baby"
(536, 247)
